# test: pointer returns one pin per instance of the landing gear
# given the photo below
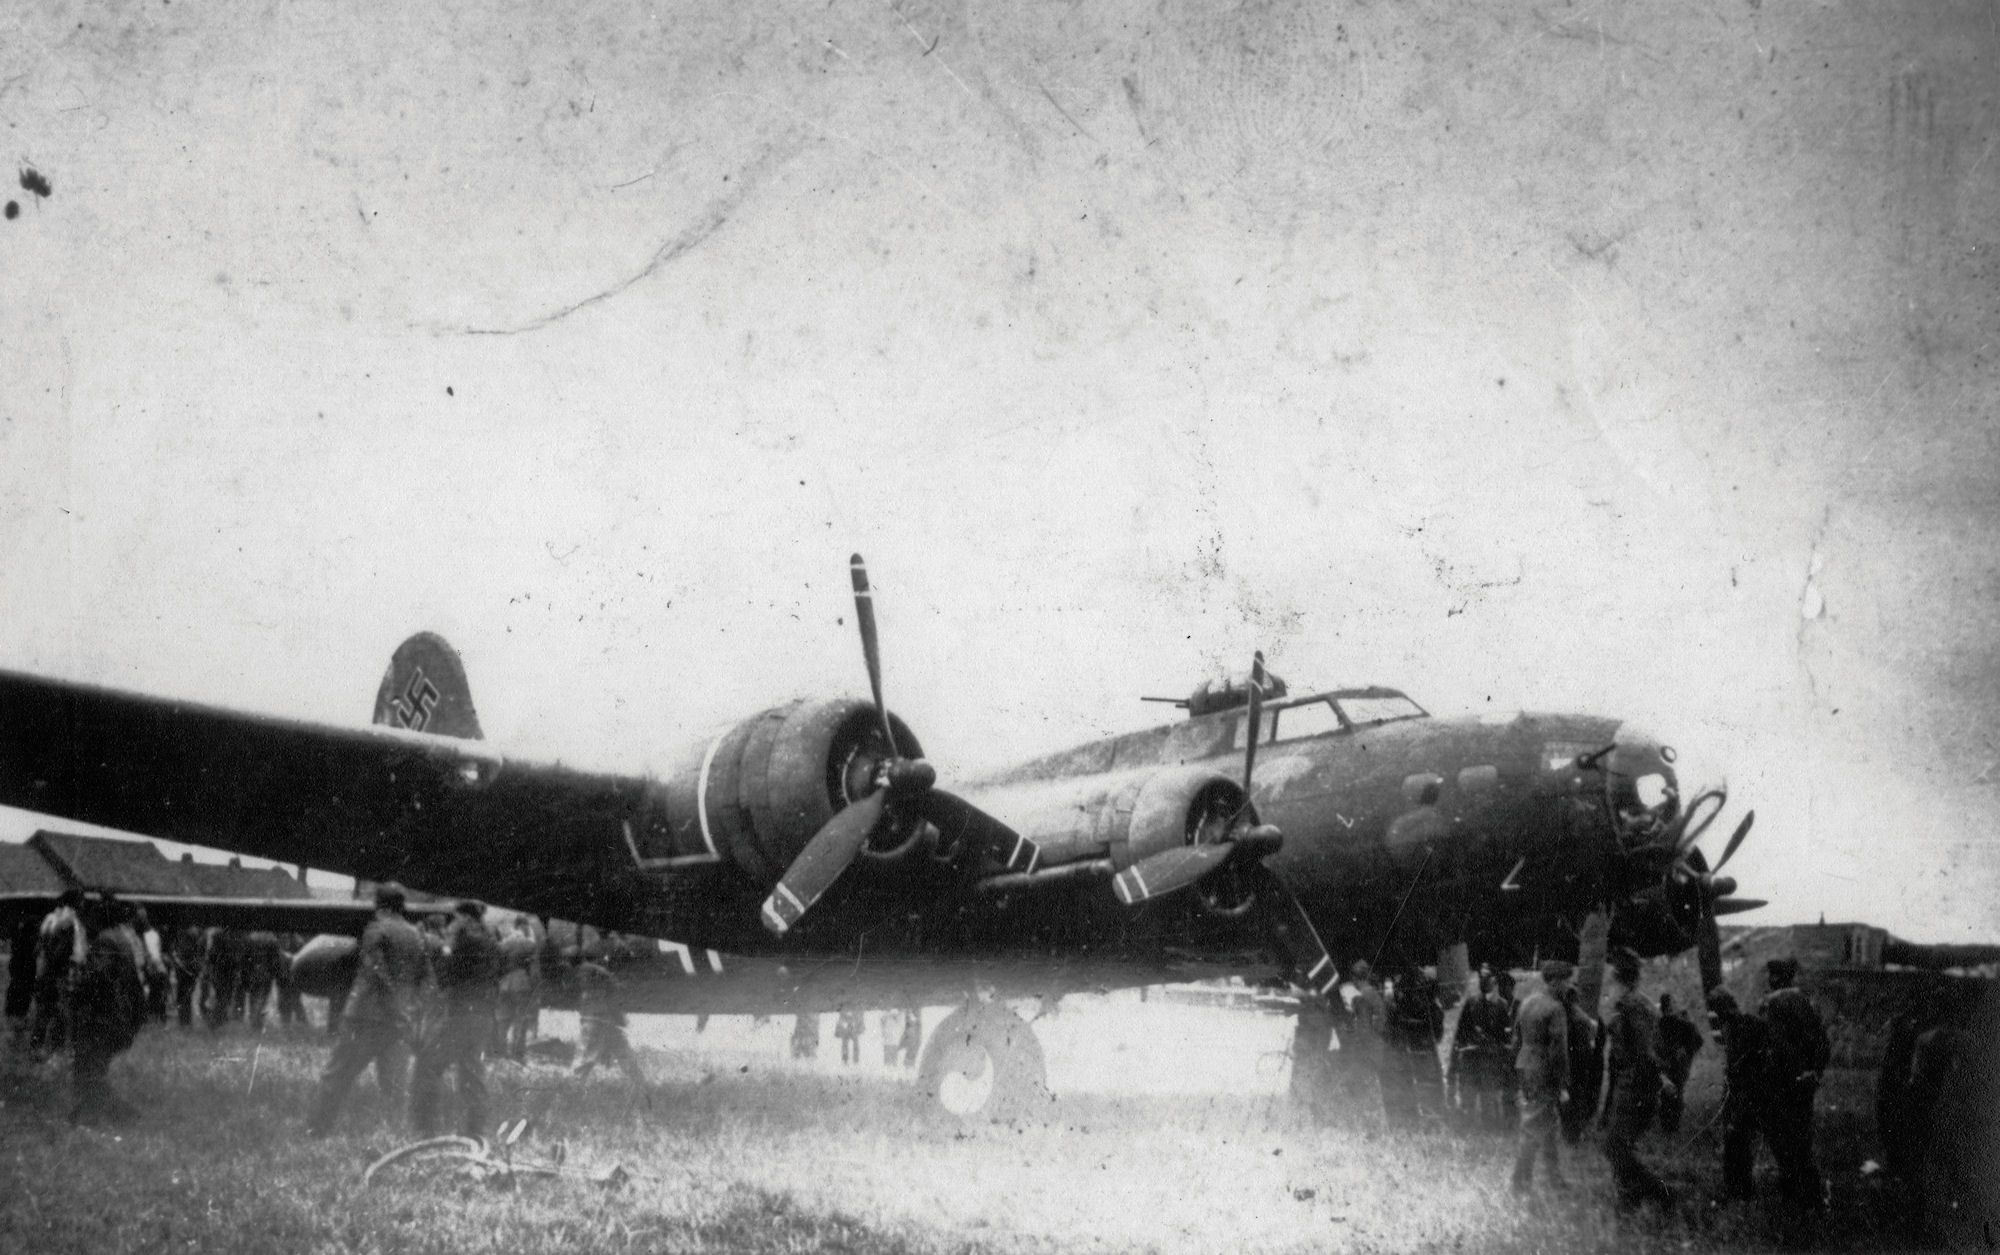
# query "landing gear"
(983, 1064)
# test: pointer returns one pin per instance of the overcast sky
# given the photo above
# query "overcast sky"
(1620, 358)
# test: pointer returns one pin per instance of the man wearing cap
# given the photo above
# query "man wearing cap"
(1798, 1054)
(468, 976)
(1541, 1031)
(1745, 1044)
(1636, 1080)
(380, 1020)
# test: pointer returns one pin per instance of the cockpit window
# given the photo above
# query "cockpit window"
(1291, 723)
(1361, 710)
(1311, 719)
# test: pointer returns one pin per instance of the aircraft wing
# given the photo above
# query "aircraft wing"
(443, 814)
(170, 911)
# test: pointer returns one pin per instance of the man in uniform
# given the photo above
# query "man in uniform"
(603, 1021)
(60, 945)
(1635, 1085)
(520, 996)
(108, 1007)
(1798, 1054)
(468, 977)
(1586, 1065)
(380, 1017)
(259, 958)
(1680, 1042)
(184, 956)
(1745, 1045)
(1483, 1048)
(1541, 1034)
(1412, 1085)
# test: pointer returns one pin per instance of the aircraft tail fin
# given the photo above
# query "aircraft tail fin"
(425, 690)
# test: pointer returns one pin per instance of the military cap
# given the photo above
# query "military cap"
(1721, 1000)
(1557, 969)
(469, 907)
(1361, 969)
(1786, 968)
(390, 896)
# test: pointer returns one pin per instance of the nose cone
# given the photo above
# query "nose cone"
(1640, 772)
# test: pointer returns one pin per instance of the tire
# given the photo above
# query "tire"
(983, 1064)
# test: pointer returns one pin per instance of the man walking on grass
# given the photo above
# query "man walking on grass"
(381, 1017)
(468, 976)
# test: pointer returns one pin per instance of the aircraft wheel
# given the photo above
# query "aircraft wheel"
(984, 1064)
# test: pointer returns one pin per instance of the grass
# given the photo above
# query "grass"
(757, 1157)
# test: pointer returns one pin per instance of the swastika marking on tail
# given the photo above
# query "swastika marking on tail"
(413, 709)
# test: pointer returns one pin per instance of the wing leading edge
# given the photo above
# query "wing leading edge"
(443, 814)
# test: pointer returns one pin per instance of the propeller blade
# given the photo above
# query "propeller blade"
(1256, 726)
(871, 650)
(1694, 821)
(1291, 930)
(959, 820)
(1736, 906)
(827, 855)
(1157, 875)
(1736, 839)
(1708, 938)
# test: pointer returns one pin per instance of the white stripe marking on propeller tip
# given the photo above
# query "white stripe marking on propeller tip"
(1325, 961)
(791, 898)
(1014, 855)
(772, 920)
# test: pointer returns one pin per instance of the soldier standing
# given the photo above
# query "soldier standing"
(184, 956)
(1799, 1052)
(1745, 1046)
(1541, 1034)
(912, 1039)
(847, 1026)
(520, 997)
(259, 959)
(60, 946)
(108, 1009)
(1412, 1084)
(380, 1017)
(1586, 1066)
(1635, 1085)
(1482, 1046)
(1680, 1042)
(468, 977)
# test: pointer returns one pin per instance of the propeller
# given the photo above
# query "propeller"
(902, 788)
(1694, 891)
(1696, 880)
(1239, 853)
(1159, 874)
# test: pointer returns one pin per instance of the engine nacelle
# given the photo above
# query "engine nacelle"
(1179, 806)
(754, 795)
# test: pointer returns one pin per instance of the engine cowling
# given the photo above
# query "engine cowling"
(753, 795)
(1179, 806)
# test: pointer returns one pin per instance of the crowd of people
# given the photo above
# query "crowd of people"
(445, 999)
(427, 1002)
(1548, 1067)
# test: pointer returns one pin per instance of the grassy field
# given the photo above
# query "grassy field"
(743, 1157)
